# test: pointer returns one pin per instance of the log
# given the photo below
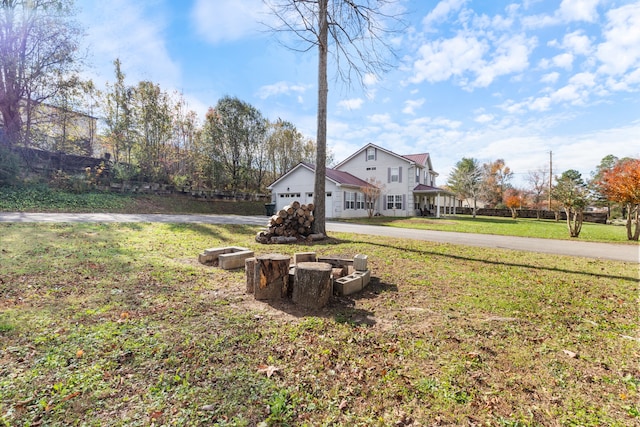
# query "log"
(295, 204)
(249, 271)
(271, 277)
(310, 206)
(312, 284)
(282, 213)
(283, 239)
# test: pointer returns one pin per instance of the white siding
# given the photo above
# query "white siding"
(379, 168)
(297, 186)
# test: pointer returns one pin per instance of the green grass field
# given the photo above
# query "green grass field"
(119, 325)
(524, 227)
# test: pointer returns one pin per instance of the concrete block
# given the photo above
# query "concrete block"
(347, 285)
(360, 262)
(366, 277)
(233, 260)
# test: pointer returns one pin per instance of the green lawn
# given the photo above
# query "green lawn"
(119, 325)
(525, 227)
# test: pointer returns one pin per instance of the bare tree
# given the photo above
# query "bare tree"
(355, 33)
(538, 181)
(39, 42)
(372, 193)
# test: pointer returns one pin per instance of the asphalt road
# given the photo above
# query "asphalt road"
(610, 251)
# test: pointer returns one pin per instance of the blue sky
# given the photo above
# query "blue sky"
(483, 79)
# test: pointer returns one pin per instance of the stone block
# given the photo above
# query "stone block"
(209, 256)
(304, 257)
(360, 262)
(233, 260)
(347, 285)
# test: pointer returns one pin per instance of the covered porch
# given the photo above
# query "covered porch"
(434, 201)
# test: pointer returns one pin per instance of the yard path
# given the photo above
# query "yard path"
(610, 251)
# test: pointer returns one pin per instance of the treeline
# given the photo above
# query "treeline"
(153, 136)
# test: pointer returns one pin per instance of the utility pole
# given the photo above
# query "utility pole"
(550, 175)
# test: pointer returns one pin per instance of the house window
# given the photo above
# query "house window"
(395, 175)
(359, 201)
(329, 194)
(394, 201)
(349, 200)
(371, 169)
(371, 153)
(309, 195)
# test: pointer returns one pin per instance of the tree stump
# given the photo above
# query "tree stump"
(312, 284)
(271, 277)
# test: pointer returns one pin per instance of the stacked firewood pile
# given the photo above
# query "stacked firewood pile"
(293, 222)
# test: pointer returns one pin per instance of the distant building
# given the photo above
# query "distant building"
(57, 129)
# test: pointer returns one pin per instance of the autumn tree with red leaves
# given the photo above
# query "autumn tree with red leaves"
(513, 201)
(621, 184)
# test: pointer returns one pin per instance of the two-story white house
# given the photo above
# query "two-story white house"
(408, 184)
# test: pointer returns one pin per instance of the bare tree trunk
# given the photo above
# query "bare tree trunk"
(321, 136)
(574, 221)
(633, 216)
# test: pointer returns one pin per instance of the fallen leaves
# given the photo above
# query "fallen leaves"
(268, 369)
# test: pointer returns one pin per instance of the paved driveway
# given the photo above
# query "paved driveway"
(618, 252)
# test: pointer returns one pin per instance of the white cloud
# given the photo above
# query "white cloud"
(442, 59)
(569, 11)
(280, 88)
(483, 118)
(134, 34)
(370, 79)
(227, 20)
(351, 104)
(577, 42)
(511, 56)
(578, 10)
(564, 60)
(410, 106)
(620, 52)
(550, 77)
(442, 11)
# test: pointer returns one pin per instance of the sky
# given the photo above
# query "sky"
(527, 81)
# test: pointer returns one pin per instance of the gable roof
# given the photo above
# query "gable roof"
(421, 159)
(338, 177)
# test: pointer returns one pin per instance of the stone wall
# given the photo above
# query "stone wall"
(47, 162)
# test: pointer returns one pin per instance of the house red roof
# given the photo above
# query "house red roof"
(420, 159)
